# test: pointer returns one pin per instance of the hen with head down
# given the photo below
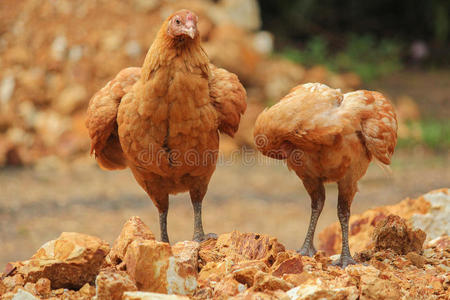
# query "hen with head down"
(327, 136)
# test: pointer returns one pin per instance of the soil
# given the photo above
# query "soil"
(251, 195)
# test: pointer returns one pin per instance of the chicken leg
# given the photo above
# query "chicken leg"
(163, 226)
(197, 195)
(316, 191)
(162, 203)
(345, 198)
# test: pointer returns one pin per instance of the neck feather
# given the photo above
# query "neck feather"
(165, 49)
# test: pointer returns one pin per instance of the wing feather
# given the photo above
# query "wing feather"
(101, 119)
(228, 97)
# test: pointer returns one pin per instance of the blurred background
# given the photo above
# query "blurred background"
(54, 54)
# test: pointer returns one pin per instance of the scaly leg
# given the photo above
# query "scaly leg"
(163, 226)
(316, 191)
(345, 198)
(197, 195)
(162, 204)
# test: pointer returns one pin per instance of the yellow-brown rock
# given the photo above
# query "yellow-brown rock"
(151, 296)
(111, 284)
(70, 261)
(267, 295)
(393, 233)
(245, 272)
(249, 246)
(227, 288)
(187, 252)
(317, 292)
(264, 282)
(154, 268)
(43, 287)
(361, 227)
(133, 229)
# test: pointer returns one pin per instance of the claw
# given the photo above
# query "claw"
(344, 261)
(307, 251)
(205, 237)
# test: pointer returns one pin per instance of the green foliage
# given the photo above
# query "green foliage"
(435, 134)
(363, 55)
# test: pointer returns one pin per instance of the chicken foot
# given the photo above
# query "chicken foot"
(317, 193)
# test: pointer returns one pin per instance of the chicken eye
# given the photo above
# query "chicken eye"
(178, 22)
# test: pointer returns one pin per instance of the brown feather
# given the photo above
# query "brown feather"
(101, 119)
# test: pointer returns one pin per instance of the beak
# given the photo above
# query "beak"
(190, 32)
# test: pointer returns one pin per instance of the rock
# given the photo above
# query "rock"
(133, 49)
(436, 222)
(245, 272)
(249, 246)
(351, 80)
(75, 53)
(86, 292)
(267, 295)
(111, 284)
(204, 293)
(440, 243)
(292, 265)
(213, 271)
(71, 98)
(263, 42)
(317, 74)
(264, 281)
(416, 259)
(154, 268)
(132, 230)
(59, 47)
(112, 40)
(50, 126)
(228, 287)
(187, 252)
(407, 109)
(243, 13)
(279, 76)
(70, 261)
(240, 58)
(393, 233)
(10, 282)
(376, 288)
(2, 288)
(23, 295)
(146, 5)
(151, 296)
(31, 288)
(315, 292)
(43, 287)
(361, 226)
(7, 86)
(207, 252)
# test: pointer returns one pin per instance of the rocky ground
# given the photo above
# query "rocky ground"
(251, 195)
(399, 257)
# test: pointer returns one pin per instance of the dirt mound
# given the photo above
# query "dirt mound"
(55, 55)
(429, 212)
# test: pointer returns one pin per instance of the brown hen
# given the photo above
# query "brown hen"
(163, 120)
(326, 136)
